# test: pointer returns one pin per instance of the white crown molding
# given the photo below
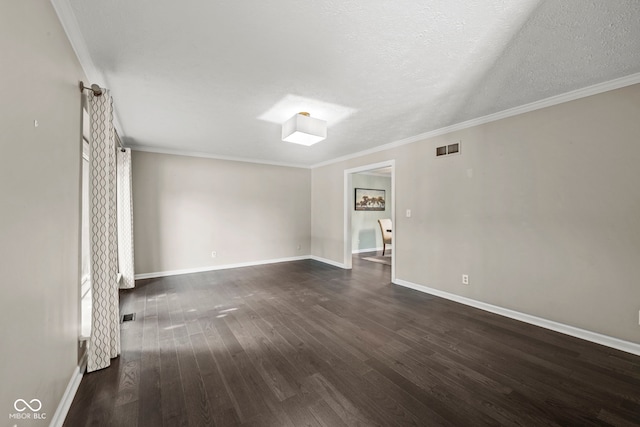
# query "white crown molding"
(595, 337)
(72, 29)
(70, 25)
(156, 150)
(537, 105)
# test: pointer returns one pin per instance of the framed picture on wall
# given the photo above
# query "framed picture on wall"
(368, 199)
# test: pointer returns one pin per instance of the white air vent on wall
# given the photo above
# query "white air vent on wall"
(446, 150)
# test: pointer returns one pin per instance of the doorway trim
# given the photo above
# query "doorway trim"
(348, 211)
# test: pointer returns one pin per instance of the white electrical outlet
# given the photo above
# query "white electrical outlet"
(214, 254)
(408, 213)
(465, 279)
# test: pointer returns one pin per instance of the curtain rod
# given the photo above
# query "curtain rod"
(97, 91)
(119, 141)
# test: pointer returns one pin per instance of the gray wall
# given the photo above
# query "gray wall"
(187, 207)
(39, 218)
(365, 231)
(541, 210)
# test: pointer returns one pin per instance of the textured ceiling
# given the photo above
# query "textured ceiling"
(201, 75)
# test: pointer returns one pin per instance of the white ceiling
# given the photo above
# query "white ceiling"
(215, 76)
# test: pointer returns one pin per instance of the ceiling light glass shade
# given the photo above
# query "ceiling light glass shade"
(303, 129)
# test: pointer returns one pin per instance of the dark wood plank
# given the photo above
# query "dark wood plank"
(125, 415)
(304, 343)
(193, 387)
(173, 405)
(149, 393)
(325, 415)
(346, 410)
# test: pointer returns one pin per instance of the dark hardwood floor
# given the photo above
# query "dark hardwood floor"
(304, 343)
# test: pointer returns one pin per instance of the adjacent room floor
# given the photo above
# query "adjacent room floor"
(304, 343)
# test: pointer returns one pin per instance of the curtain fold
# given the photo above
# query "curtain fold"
(104, 343)
(125, 219)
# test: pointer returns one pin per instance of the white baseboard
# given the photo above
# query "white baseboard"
(328, 261)
(595, 337)
(67, 398)
(217, 267)
(359, 251)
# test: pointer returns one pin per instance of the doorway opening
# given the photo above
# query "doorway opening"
(374, 185)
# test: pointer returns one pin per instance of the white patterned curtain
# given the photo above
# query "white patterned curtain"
(125, 219)
(104, 343)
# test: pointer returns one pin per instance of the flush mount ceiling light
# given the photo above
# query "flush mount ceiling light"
(304, 129)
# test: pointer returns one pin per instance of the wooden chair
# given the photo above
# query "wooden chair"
(386, 229)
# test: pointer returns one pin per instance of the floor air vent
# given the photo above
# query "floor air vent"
(128, 317)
